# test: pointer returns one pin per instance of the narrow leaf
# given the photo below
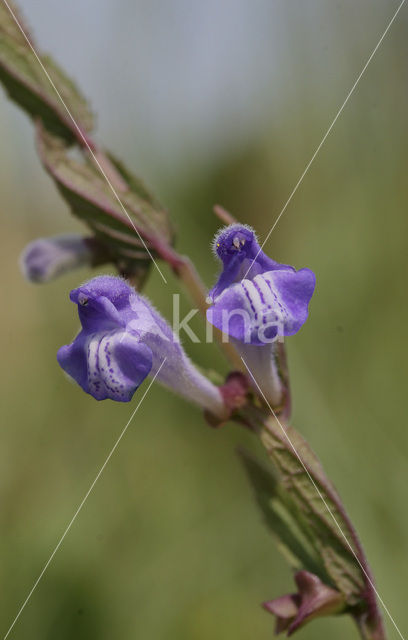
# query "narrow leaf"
(92, 200)
(328, 524)
(27, 84)
(324, 519)
(282, 517)
(135, 184)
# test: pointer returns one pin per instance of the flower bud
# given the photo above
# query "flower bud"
(123, 340)
(47, 258)
(314, 599)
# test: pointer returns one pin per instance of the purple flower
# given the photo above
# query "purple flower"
(47, 258)
(123, 340)
(257, 300)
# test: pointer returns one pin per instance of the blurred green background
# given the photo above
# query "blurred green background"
(223, 101)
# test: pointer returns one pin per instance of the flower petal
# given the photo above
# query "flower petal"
(293, 291)
(72, 358)
(107, 365)
(273, 304)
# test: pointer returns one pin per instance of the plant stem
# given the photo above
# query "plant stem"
(277, 437)
(181, 265)
(368, 631)
(188, 275)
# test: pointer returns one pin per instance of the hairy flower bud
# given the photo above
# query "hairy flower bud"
(47, 258)
(123, 340)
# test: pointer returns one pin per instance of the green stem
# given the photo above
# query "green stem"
(282, 441)
(369, 629)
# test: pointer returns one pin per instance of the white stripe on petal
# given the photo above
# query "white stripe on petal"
(105, 378)
(94, 383)
(262, 303)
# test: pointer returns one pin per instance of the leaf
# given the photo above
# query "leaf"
(134, 183)
(27, 84)
(92, 200)
(282, 517)
(328, 525)
(323, 517)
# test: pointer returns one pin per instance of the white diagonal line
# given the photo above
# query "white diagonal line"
(82, 503)
(319, 493)
(112, 188)
(323, 140)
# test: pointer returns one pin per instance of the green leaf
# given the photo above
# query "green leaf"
(322, 516)
(132, 227)
(282, 517)
(329, 527)
(91, 199)
(135, 183)
(27, 84)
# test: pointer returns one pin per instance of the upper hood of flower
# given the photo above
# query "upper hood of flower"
(238, 249)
